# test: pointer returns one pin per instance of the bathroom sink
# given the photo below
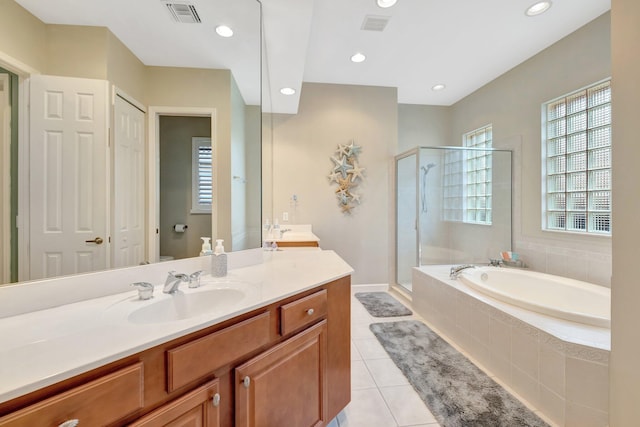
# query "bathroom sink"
(182, 306)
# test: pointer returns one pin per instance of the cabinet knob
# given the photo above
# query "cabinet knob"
(216, 400)
(310, 312)
(246, 381)
(70, 423)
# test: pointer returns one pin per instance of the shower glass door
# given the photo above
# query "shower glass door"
(406, 221)
(453, 206)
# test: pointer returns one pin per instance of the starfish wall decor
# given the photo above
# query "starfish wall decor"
(346, 173)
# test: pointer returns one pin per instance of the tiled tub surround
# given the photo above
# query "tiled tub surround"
(560, 368)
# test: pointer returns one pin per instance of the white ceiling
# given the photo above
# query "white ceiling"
(463, 44)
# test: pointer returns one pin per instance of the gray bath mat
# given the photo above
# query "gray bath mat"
(381, 304)
(456, 391)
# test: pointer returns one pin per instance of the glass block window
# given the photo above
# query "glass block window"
(453, 188)
(467, 179)
(201, 175)
(577, 161)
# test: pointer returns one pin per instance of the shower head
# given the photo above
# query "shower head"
(429, 166)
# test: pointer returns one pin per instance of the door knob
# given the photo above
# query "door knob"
(97, 241)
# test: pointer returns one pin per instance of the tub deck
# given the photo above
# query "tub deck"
(558, 366)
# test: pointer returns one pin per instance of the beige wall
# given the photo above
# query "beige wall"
(175, 186)
(512, 104)
(624, 366)
(125, 70)
(22, 36)
(423, 126)
(77, 51)
(329, 115)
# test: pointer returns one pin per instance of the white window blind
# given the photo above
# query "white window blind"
(467, 179)
(202, 175)
(577, 161)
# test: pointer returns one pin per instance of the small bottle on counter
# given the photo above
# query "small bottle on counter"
(219, 260)
(206, 246)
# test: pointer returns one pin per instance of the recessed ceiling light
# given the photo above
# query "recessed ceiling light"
(386, 3)
(358, 57)
(224, 31)
(439, 86)
(538, 8)
(287, 91)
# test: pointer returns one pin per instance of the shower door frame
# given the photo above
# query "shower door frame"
(412, 152)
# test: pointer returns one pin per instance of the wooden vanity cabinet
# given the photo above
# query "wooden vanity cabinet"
(284, 364)
(99, 402)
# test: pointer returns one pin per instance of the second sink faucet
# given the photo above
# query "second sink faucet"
(283, 230)
(173, 281)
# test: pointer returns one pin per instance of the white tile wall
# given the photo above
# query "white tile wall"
(592, 266)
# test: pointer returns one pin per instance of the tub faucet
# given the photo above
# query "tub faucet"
(456, 270)
(496, 262)
(173, 281)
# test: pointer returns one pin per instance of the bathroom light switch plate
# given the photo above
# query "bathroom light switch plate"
(285, 216)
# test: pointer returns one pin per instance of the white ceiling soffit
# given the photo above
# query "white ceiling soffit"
(287, 26)
(463, 44)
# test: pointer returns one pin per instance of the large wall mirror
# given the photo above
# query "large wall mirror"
(120, 122)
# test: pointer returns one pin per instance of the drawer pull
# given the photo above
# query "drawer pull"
(246, 382)
(310, 312)
(70, 423)
(216, 400)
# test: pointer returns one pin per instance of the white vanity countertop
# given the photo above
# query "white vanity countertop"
(43, 347)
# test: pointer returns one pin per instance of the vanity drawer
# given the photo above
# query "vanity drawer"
(303, 312)
(199, 358)
(98, 402)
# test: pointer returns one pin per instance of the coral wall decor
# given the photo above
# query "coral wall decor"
(347, 174)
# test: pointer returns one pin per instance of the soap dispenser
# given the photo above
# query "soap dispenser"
(219, 260)
(206, 246)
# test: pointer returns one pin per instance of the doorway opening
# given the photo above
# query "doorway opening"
(181, 225)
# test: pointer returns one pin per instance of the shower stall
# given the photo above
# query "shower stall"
(453, 206)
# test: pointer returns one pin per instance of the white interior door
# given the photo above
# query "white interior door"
(128, 175)
(5, 180)
(68, 157)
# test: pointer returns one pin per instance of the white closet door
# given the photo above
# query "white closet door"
(68, 157)
(128, 178)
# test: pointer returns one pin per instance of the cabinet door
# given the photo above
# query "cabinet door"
(286, 385)
(199, 408)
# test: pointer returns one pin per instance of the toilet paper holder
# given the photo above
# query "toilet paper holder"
(180, 228)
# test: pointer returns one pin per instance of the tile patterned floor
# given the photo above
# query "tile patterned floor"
(381, 396)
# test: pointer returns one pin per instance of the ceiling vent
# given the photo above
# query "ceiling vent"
(183, 12)
(375, 23)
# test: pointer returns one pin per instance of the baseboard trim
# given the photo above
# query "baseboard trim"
(380, 287)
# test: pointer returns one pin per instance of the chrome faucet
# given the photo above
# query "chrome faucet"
(282, 231)
(173, 281)
(496, 262)
(455, 271)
